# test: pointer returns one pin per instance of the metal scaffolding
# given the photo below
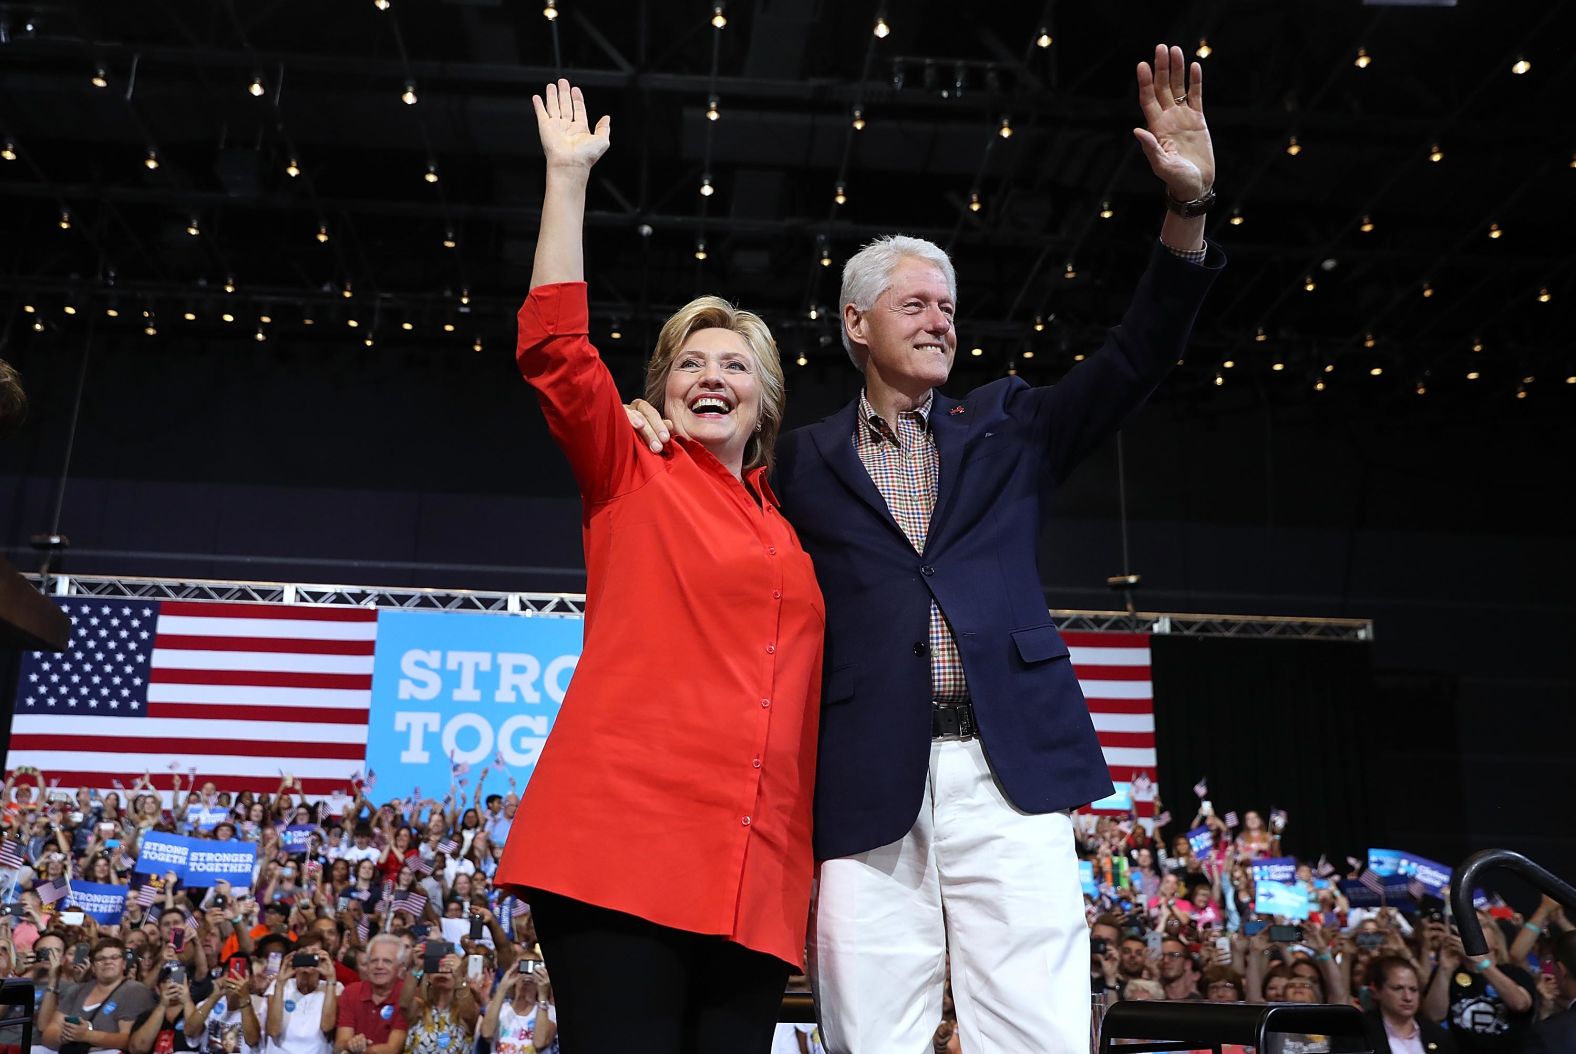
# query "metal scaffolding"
(572, 605)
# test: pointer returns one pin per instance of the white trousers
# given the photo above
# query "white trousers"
(976, 875)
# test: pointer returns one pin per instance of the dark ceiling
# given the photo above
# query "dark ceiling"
(1409, 281)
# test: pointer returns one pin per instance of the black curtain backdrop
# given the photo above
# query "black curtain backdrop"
(1269, 724)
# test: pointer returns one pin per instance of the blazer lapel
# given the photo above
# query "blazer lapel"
(834, 438)
(950, 422)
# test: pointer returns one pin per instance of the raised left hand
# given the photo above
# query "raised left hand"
(1176, 141)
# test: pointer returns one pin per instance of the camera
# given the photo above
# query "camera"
(221, 901)
(1286, 934)
(1098, 945)
(304, 960)
(1370, 940)
(172, 972)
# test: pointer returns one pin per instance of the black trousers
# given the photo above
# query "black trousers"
(624, 984)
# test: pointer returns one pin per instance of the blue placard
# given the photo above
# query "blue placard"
(1119, 800)
(197, 862)
(1384, 861)
(296, 837)
(462, 688)
(1278, 898)
(1200, 840)
(1282, 869)
(1435, 877)
(104, 902)
(1086, 878)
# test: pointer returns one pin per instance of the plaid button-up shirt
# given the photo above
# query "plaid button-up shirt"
(905, 466)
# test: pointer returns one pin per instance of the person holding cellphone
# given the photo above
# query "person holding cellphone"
(665, 831)
(442, 1006)
(303, 1005)
(95, 1014)
(521, 1018)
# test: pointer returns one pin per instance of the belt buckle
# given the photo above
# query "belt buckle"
(953, 719)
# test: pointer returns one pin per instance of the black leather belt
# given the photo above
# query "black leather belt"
(952, 719)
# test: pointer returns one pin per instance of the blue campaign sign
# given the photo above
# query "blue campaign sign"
(1435, 877)
(1086, 877)
(104, 902)
(1199, 839)
(1278, 898)
(459, 688)
(297, 838)
(1282, 869)
(1120, 799)
(197, 862)
(1384, 861)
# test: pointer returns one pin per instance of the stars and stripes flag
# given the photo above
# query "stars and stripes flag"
(410, 901)
(448, 846)
(1113, 670)
(1371, 881)
(10, 855)
(233, 689)
(53, 890)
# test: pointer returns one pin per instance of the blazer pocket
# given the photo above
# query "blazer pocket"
(839, 683)
(1039, 643)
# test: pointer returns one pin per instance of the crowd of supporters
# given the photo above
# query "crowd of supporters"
(380, 931)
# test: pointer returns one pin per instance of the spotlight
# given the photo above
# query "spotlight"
(8, 152)
(1229, 364)
(448, 327)
(476, 345)
(616, 333)
(353, 323)
(1363, 60)
(712, 113)
(882, 29)
(408, 96)
(718, 19)
(1308, 284)
(1203, 50)
(1292, 146)
(977, 352)
(69, 309)
(840, 195)
(1369, 340)
(814, 312)
(1376, 371)
(1428, 290)
(190, 316)
(1039, 323)
(859, 119)
(1494, 231)
(801, 360)
(192, 228)
(151, 159)
(550, 10)
(1435, 154)
(293, 169)
(1367, 225)
(346, 290)
(381, 5)
(229, 283)
(465, 296)
(826, 256)
(266, 320)
(65, 219)
(706, 189)
(227, 317)
(1477, 343)
(1278, 366)
(1260, 336)
(100, 79)
(1237, 218)
(1044, 39)
(1005, 131)
(974, 202)
(1106, 211)
(1521, 66)
(322, 233)
(256, 88)
(259, 336)
(1028, 353)
(700, 249)
(1544, 296)
(1069, 271)
(448, 238)
(407, 326)
(431, 175)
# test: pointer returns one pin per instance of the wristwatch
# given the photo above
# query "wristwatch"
(1197, 207)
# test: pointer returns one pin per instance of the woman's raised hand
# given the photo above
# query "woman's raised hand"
(567, 137)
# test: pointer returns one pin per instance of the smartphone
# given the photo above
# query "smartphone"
(529, 966)
(221, 901)
(274, 959)
(304, 960)
(1154, 939)
(1207, 807)
(79, 954)
(1098, 945)
(432, 958)
(72, 918)
(1370, 939)
(1287, 934)
(178, 937)
(1223, 951)
(1252, 927)
(473, 966)
(476, 927)
(420, 931)
(238, 969)
(72, 1019)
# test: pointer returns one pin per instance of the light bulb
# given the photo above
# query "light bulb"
(192, 228)
(718, 19)
(1069, 271)
(1435, 154)
(840, 195)
(1106, 212)
(1308, 284)
(408, 96)
(293, 169)
(1203, 50)
(1521, 66)
(700, 249)
(1494, 230)
(882, 29)
(229, 283)
(431, 175)
(550, 10)
(100, 79)
(448, 238)
(1292, 146)
(1363, 60)
(859, 119)
(1005, 131)
(322, 232)
(801, 360)
(256, 87)
(1044, 39)
(65, 219)
(712, 112)
(8, 152)
(1237, 218)
(151, 160)
(1367, 225)
(706, 189)
(974, 202)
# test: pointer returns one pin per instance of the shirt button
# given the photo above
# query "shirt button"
(745, 821)
(927, 570)
(755, 763)
(766, 703)
(777, 594)
(771, 649)
(771, 550)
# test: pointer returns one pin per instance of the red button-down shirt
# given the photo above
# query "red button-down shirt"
(676, 783)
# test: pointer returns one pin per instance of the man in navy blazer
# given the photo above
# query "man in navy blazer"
(954, 736)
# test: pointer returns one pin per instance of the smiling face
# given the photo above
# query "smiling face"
(907, 333)
(712, 393)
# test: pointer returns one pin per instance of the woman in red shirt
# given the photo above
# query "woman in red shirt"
(663, 841)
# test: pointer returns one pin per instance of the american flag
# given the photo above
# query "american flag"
(363, 927)
(411, 901)
(1231, 820)
(147, 893)
(1114, 671)
(10, 855)
(234, 690)
(448, 846)
(1372, 881)
(53, 890)
(418, 865)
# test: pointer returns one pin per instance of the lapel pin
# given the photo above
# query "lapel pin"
(959, 409)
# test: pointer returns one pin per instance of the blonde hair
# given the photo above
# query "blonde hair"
(712, 312)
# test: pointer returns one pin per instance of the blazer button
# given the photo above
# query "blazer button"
(921, 649)
(927, 570)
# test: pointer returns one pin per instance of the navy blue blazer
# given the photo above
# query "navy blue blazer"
(1004, 447)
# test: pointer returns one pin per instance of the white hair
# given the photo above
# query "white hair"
(389, 938)
(868, 274)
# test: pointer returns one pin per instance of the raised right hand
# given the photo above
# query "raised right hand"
(567, 137)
